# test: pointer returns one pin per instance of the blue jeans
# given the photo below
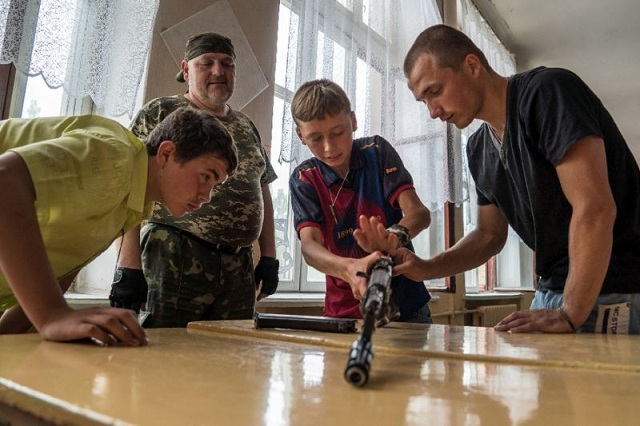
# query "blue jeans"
(422, 315)
(553, 300)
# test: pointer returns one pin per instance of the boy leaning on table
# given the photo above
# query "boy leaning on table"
(69, 186)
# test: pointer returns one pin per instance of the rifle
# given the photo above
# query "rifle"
(375, 310)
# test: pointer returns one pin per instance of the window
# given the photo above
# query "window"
(81, 49)
(513, 266)
(337, 40)
(348, 42)
(87, 55)
(38, 100)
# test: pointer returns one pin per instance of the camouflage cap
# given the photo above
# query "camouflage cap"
(206, 43)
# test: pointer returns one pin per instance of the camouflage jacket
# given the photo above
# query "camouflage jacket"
(234, 214)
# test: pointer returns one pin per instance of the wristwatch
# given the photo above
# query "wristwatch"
(401, 232)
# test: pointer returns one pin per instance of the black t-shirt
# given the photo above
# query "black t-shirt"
(548, 109)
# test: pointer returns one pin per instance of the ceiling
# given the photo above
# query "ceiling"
(598, 40)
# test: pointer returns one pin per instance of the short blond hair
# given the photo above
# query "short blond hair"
(317, 99)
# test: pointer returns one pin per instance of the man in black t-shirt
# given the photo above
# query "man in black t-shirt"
(550, 162)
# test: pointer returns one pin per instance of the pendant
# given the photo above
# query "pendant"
(333, 213)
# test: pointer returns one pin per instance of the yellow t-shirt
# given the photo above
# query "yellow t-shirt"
(90, 177)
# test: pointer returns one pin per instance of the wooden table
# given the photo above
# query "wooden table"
(227, 373)
(483, 344)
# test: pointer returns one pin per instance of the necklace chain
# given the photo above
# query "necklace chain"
(495, 135)
(333, 200)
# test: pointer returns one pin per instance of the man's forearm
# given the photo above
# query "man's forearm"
(590, 245)
(130, 253)
(267, 238)
(473, 250)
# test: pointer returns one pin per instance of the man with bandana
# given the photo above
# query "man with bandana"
(200, 266)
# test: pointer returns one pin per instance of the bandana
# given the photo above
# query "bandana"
(206, 43)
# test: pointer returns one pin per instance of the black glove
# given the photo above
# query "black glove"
(267, 274)
(129, 289)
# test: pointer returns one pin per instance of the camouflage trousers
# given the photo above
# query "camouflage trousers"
(189, 280)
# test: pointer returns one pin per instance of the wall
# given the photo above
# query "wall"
(259, 22)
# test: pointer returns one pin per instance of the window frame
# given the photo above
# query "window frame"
(7, 78)
(300, 281)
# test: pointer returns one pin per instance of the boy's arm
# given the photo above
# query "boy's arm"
(15, 321)
(345, 268)
(416, 216)
(372, 235)
(25, 265)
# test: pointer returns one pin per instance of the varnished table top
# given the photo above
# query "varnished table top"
(591, 351)
(225, 374)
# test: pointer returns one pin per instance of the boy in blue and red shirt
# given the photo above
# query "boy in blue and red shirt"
(346, 182)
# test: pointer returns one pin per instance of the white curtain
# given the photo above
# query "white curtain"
(361, 45)
(501, 60)
(499, 57)
(93, 48)
(515, 261)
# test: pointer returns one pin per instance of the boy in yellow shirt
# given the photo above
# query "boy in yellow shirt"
(69, 186)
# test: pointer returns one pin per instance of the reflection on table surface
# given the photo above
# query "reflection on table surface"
(593, 351)
(187, 377)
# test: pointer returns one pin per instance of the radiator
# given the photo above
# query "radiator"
(489, 316)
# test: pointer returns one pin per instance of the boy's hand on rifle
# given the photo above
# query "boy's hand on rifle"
(358, 271)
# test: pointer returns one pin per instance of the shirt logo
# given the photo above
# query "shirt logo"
(345, 233)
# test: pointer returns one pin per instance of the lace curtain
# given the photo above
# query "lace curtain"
(501, 60)
(478, 30)
(93, 48)
(514, 267)
(361, 44)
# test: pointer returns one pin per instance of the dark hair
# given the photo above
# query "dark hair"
(195, 133)
(447, 45)
(316, 99)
